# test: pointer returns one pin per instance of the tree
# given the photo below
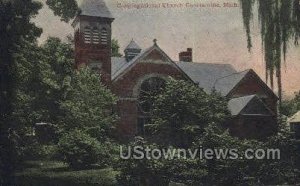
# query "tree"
(291, 106)
(80, 150)
(182, 110)
(15, 27)
(115, 48)
(44, 69)
(279, 23)
(66, 9)
(87, 105)
(146, 172)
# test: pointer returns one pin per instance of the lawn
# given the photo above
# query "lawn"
(53, 173)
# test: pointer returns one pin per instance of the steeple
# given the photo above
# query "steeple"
(93, 37)
(132, 50)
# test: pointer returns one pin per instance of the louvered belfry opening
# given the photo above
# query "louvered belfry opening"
(92, 26)
(93, 36)
(104, 35)
(87, 35)
(96, 36)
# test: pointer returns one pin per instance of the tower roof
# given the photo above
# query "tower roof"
(95, 8)
(133, 45)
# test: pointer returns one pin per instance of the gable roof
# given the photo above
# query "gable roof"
(129, 64)
(248, 105)
(225, 84)
(295, 118)
(95, 8)
(205, 74)
(222, 78)
(144, 53)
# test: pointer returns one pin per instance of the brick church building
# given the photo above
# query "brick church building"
(251, 102)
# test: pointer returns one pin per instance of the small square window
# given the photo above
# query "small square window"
(95, 65)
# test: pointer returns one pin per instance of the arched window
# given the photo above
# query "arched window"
(96, 36)
(104, 36)
(87, 35)
(148, 90)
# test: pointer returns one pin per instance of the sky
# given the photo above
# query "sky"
(216, 34)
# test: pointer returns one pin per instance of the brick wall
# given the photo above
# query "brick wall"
(254, 126)
(127, 88)
(249, 86)
(84, 52)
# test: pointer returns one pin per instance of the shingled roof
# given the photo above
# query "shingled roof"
(211, 77)
(206, 74)
(128, 64)
(117, 63)
(248, 105)
(133, 45)
(236, 105)
(225, 84)
(95, 8)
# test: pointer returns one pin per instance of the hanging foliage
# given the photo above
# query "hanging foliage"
(279, 24)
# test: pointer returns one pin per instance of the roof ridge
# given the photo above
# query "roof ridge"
(234, 74)
(203, 63)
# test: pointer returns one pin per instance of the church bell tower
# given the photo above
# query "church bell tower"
(92, 38)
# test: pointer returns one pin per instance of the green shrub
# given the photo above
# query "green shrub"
(145, 171)
(80, 150)
(49, 152)
(37, 151)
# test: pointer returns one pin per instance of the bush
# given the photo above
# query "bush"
(182, 111)
(80, 150)
(36, 151)
(134, 172)
(31, 149)
(88, 106)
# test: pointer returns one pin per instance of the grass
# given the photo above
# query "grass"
(53, 173)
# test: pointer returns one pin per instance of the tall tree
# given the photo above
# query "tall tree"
(88, 105)
(43, 68)
(66, 9)
(279, 24)
(179, 123)
(15, 27)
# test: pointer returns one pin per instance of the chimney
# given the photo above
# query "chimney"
(186, 56)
